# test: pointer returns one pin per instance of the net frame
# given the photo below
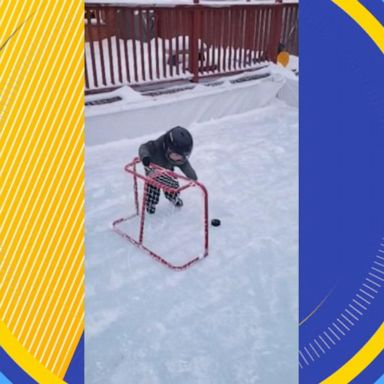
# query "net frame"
(140, 209)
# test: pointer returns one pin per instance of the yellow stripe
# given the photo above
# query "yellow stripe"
(9, 75)
(45, 268)
(61, 190)
(360, 361)
(42, 181)
(365, 19)
(37, 306)
(73, 343)
(52, 278)
(24, 359)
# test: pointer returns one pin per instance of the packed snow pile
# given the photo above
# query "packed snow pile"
(232, 317)
(289, 92)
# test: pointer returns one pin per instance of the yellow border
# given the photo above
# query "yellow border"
(42, 182)
(24, 359)
(360, 361)
(364, 19)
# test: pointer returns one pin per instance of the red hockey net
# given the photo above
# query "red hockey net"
(169, 218)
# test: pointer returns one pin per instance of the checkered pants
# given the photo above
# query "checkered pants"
(153, 193)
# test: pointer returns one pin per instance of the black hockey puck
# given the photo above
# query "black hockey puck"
(215, 222)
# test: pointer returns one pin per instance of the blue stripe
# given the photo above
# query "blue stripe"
(372, 373)
(340, 191)
(13, 372)
(381, 380)
(4, 380)
(75, 372)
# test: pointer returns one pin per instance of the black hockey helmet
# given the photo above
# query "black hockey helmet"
(179, 140)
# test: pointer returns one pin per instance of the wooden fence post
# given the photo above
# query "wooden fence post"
(276, 27)
(194, 42)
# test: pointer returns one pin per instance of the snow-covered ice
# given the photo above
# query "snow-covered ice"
(232, 317)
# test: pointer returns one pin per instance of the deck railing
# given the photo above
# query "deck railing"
(141, 44)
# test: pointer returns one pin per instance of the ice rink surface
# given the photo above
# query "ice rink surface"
(229, 319)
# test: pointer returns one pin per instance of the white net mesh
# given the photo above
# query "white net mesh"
(157, 183)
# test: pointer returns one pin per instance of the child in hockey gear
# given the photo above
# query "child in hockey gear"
(169, 150)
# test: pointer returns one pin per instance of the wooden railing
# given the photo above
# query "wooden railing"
(142, 44)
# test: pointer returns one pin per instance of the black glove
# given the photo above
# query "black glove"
(146, 161)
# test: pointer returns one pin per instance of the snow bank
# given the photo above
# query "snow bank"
(289, 92)
(145, 115)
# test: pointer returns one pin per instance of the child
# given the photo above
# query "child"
(169, 150)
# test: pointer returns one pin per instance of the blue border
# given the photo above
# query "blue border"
(376, 7)
(4, 380)
(12, 371)
(75, 372)
(341, 188)
(373, 374)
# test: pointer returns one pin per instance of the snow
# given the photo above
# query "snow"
(204, 102)
(185, 91)
(289, 92)
(232, 317)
